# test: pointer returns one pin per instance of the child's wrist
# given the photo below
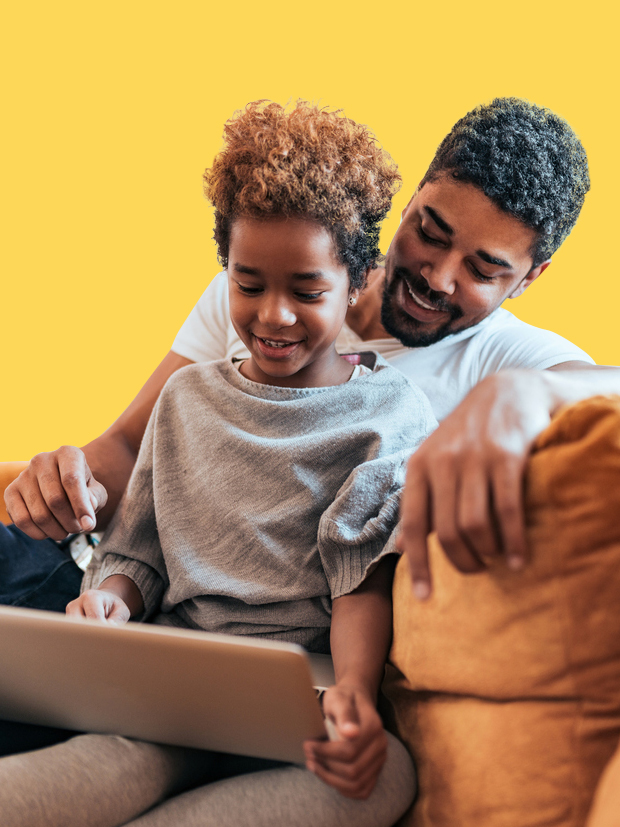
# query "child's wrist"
(126, 590)
(360, 686)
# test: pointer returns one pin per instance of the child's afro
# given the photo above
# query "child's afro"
(304, 161)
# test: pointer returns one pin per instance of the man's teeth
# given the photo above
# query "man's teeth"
(419, 301)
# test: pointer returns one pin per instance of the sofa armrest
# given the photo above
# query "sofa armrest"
(505, 685)
(8, 472)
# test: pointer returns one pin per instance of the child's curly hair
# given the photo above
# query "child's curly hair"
(304, 162)
(526, 159)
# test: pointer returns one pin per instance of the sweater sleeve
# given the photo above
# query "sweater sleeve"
(359, 526)
(131, 543)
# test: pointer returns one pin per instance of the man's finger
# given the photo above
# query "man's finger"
(508, 482)
(19, 514)
(446, 490)
(475, 520)
(74, 472)
(57, 501)
(40, 514)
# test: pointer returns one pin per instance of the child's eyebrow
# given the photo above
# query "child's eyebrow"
(249, 271)
(311, 275)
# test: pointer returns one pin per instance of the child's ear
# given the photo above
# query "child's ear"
(354, 294)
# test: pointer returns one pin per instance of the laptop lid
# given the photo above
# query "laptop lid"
(172, 686)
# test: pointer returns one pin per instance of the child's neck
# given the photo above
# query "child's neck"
(330, 369)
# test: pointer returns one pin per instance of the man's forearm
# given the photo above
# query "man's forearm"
(112, 456)
(573, 381)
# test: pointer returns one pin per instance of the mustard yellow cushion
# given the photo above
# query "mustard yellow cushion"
(8, 472)
(506, 687)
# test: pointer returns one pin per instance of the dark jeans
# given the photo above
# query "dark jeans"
(35, 574)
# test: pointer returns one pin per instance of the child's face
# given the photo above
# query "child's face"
(288, 300)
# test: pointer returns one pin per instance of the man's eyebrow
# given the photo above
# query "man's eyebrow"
(499, 262)
(443, 225)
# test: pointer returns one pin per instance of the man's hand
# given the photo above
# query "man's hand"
(466, 481)
(99, 604)
(353, 763)
(55, 496)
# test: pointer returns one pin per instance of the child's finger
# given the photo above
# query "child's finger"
(118, 612)
(357, 785)
(348, 757)
(341, 709)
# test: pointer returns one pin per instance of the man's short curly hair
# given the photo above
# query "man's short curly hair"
(526, 159)
(304, 161)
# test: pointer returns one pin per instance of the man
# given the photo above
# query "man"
(503, 191)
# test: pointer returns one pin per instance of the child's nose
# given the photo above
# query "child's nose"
(277, 313)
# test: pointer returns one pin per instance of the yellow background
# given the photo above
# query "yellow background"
(112, 110)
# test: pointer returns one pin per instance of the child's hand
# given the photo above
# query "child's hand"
(352, 764)
(100, 605)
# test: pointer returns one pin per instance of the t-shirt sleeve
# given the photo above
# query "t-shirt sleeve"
(203, 336)
(131, 543)
(519, 345)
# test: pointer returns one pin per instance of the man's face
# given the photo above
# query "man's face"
(453, 261)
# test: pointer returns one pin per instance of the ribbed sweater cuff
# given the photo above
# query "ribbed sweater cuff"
(146, 579)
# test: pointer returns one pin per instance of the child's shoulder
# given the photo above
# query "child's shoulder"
(196, 376)
(390, 394)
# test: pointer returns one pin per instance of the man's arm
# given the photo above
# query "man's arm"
(61, 491)
(466, 480)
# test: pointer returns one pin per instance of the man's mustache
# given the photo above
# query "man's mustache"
(420, 286)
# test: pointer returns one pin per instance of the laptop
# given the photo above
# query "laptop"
(172, 686)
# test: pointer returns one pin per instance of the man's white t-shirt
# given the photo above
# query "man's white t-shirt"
(446, 371)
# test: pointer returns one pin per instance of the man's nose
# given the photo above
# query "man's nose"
(276, 312)
(441, 275)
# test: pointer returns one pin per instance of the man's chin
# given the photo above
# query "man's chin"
(410, 332)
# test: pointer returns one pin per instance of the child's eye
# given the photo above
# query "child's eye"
(308, 296)
(249, 291)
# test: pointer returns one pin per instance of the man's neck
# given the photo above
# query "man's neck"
(364, 318)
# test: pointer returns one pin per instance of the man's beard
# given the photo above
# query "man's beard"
(410, 332)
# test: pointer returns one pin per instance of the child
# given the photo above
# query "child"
(263, 498)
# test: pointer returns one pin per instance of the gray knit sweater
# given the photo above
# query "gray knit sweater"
(251, 506)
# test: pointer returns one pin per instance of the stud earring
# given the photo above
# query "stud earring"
(352, 300)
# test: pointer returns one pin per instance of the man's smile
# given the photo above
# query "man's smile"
(417, 300)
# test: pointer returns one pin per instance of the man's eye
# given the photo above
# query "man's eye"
(428, 238)
(481, 277)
